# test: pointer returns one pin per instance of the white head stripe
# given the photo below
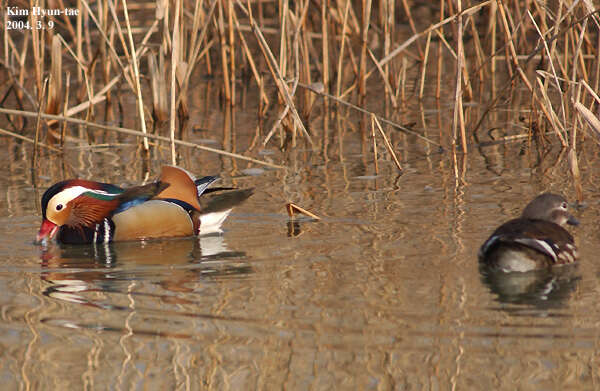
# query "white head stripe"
(71, 193)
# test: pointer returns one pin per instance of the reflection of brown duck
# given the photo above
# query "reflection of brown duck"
(545, 288)
(536, 240)
(81, 211)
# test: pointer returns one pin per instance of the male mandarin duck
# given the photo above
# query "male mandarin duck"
(81, 211)
(536, 240)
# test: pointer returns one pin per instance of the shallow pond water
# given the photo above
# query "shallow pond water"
(383, 293)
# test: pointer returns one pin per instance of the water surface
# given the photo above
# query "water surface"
(383, 293)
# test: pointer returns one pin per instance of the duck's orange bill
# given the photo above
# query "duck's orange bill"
(47, 230)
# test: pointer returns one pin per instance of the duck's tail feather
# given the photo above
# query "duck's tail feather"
(203, 183)
(226, 200)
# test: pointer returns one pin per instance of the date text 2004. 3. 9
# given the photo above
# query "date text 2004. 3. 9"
(25, 25)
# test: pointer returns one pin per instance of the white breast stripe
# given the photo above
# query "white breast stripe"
(96, 233)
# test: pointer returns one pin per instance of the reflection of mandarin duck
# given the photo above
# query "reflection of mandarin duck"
(81, 211)
(536, 240)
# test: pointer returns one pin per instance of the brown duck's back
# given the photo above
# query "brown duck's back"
(181, 186)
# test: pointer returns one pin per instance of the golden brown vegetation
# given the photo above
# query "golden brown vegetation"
(339, 53)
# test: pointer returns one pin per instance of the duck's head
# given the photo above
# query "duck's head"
(549, 207)
(58, 205)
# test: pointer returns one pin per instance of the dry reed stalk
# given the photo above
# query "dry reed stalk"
(22, 91)
(231, 44)
(5, 39)
(552, 117)
(300, 43)
(438, 88)
(364, 35)
(402, 81)
(511, 47)
(283, 36)
(99, 97)
(175, 47)
(578, 54)
(85, 69)
(573, 133)
(365, 111)
(79, 39)
(467, 89)
(479, 52)
(386, 83)
(341, 56)
(298, 21)
(105, 64)
(591, 91)
(36, 140)
(250, 59)
(136, 77)
(137, 133)
(55, 85)
(114, 56)
(63, 130)
(224, 60)
(412, 25)
(87, 35)
(159, 86)
(508, 139)
(493, 18)
(388, 34)
(198, 42)
(272, 63)
(29, 140)
(196, 22)
(557, 21)
(589, 117)
(66, 19)
(37, 44)
(557, 83)
(325, 44)
(458, 121)
(388, 145)
(433, 27)
(424, 66)
(17, 81)
(574, 169)
(572, 157)
(374, 145)
(279, 119)
(309, 99)
(545, 105)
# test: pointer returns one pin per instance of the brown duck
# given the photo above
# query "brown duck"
(177, 204)
(535, 240)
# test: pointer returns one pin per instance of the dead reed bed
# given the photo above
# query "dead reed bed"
(372, 57)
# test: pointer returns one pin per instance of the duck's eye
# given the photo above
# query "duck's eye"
(59, 207)
(564, 205)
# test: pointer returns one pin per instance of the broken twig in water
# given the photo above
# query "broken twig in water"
(292, 209)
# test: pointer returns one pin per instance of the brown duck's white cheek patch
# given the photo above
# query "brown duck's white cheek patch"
(59, 208)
